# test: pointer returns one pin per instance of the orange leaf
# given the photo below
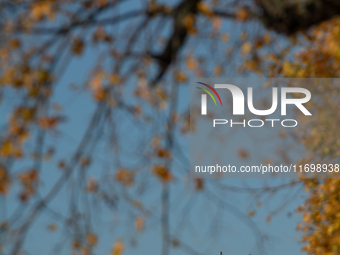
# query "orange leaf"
(125, 177)
(243, 154)
(48, 122)
(99, 94)
(189, 23)
(91, 185)
(251, 214)
(78, 46)
(204, 8)
(163, 153)
(92, 239)
(52, 227)
(199, 184)
(162, 172)
(217, 70)
(181, 77)
(139, 223)
(85, 161)
(5, 181)
(118, 248)
(242, 14)
(191, 63)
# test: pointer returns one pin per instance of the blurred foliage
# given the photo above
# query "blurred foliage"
(38, 39)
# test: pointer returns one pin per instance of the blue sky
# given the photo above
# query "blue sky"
(235, 237)
(194, 218)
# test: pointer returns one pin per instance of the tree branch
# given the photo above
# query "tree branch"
(289, 18)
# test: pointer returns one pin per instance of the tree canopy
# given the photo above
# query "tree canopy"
(143, 54)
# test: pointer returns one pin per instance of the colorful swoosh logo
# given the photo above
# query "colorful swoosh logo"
(212, 89)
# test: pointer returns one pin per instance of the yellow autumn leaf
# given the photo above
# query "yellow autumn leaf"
(204, 8)
(5, 181)
(85, 161)
(191, 63)
(163, 153)
(92, 239)
(162, 172)
(287, 68)
(266, 38)
(42, 9)
(52, 227)
(114, 79)
(199, 184)
(6, 148)
(125, 177)
(139, 223)
(216, 23)
(91, 185)
(181, 76)
(243, 154)
(99, 94)
(189, 23)
(48, 122)
(242, 14)
(225, 37)
(217, 70)
(251, 214)
(118, 248)
(15, 43)
(246, 48)
(78, 46)
(97, 80)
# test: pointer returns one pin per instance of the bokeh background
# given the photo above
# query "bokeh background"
(95, 127)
